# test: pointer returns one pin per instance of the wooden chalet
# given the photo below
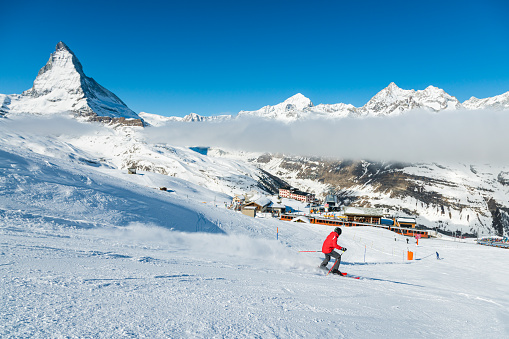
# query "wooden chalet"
(261, 204)
(363, 214)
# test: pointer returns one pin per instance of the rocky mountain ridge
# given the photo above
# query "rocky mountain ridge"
(390, 101)
(61, 87)
(159, 120)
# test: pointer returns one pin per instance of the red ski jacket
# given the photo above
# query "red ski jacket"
(330, 243)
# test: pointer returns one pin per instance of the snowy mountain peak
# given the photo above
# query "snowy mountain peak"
(393, 100)
(298, 101)
(392, 87)
(393, 90)
(499, 102)
(61, 86)
(62, 45)
(289, 110)
(62, 71)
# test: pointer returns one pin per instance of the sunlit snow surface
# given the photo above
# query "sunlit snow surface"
(87, 250)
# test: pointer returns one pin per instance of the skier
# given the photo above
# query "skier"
(331, 243)
(438, 256)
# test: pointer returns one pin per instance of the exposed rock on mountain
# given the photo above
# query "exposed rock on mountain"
(290, 109)
(61, 86)
(298, 107)
(499, 102)
(467, 199)
(158, 120)
(394, 100)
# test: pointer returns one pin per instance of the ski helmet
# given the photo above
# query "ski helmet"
(337, 230)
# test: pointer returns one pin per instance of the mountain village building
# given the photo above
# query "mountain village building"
(293, 193)
(331, 202)
(363, 214)
(406, 222)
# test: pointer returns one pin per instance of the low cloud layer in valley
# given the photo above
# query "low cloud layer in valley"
(418, 136)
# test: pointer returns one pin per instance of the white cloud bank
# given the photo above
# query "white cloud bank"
(474, 137)
(53, 125)
(418, 136)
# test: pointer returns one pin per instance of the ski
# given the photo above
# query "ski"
(346, 275)
(343, 274)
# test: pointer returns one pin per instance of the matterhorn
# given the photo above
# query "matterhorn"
(61, 87)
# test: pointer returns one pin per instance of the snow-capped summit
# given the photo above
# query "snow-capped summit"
(61, 86)
(393, 100)
(193, 117)
(296, 102)
(499, 102)
(63, 71)
(159, 120)
(288, 110)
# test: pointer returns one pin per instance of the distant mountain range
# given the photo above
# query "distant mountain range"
(390, 101)
(61, 86)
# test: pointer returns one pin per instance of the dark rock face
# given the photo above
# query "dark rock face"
(118, 121)
(500, 217)
(270, 183)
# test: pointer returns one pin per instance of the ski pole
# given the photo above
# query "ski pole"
(308, 251)
(333, 265)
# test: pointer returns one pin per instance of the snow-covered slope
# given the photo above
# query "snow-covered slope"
(87, 250)
(61, 86)
(122, 147)
(451, 197)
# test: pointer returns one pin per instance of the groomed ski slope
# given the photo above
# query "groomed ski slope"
(149, 282)
(89, 251)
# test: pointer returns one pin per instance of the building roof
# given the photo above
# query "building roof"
(406, 220)
(277, 205)
(363, 211)
(301, 219)
(296, 191)
(331, 199)
(260, 201)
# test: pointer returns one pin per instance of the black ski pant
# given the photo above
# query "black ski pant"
(327, 259)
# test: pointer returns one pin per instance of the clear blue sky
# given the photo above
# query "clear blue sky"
(217, 57)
